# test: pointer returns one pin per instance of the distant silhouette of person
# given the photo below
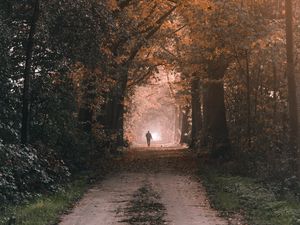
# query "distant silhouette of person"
(148, 137)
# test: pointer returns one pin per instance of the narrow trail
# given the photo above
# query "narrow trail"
(155, 187)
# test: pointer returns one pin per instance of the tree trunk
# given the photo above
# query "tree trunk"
(179, 130)
(248, 86)
(216, 120)
(215, 111)
(115, 110)
(196, 111)
(120, 120)
(26, 75)
(204, 135)
(292, 97)
(275, 89)
(184, 139)
(177, 124)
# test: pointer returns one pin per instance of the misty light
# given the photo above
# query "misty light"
(154, 111)
(156, 136)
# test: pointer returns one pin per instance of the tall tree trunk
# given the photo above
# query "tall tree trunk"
(204, 135)
(121, 112)
(120, 120)
(26, 75)
(196, 111)
(248, 100)
(292, 95)
(215, 111)
(177, 123)
(184, 139)
(180, 115)
(275, 89)
(114, 113)
(216, 119)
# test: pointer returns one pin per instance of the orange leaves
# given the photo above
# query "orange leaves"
(201, 4)
(107, 51)
(112, 4)
(93, 82)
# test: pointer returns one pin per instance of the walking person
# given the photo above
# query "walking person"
(148, 137)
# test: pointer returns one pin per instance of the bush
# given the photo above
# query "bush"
(27, 171)
(257, 201)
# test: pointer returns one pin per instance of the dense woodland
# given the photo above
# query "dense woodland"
(68, 70)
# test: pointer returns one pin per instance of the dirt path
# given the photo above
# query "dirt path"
(155, 187)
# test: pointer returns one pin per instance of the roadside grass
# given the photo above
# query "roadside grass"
(46, 209)
(249, 197)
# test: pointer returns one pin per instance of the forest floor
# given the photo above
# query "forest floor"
(152, 186)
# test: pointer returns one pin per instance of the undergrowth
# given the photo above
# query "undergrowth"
(256, 201)
(46, 209)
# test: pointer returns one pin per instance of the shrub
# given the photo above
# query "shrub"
(27, 171)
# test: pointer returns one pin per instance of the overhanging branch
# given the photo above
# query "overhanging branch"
(154, 29)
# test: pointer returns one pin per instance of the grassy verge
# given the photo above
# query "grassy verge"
(258, 204)
(46, 209)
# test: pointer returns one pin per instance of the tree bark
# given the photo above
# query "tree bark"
(177, 123)
(215, 112)
(184, 139)
(292, 95)
(26, 75)
(216, 120)
(275, 89)
(114, 118)
(196, 111)
(248, 85)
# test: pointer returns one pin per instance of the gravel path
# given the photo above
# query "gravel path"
(155, 187)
